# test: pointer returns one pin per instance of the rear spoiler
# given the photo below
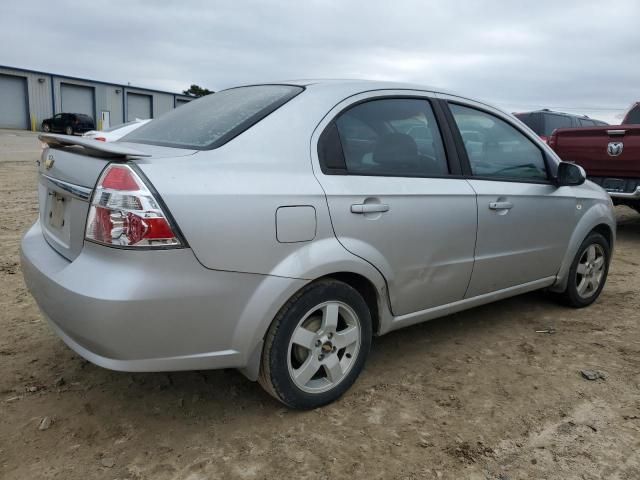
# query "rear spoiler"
(93, 147)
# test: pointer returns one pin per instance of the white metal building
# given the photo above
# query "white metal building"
(27, 97)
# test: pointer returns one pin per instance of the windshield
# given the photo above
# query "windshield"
(213, 120)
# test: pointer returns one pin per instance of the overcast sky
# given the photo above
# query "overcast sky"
(576, 56)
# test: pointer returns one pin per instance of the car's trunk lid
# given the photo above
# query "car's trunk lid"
(69, 169)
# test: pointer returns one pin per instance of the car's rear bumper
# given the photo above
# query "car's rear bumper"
(150, 310)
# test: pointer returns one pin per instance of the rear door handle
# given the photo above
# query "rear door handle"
(501, 205)
(369, 207)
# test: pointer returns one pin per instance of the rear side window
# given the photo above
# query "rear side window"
(386, 137)
(496, 149)
(553, 121)
(215, 119)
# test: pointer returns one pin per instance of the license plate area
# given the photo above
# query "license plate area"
(57, 209)
(56, 217)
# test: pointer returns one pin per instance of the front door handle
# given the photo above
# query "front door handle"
(369, 207)
(500, 205)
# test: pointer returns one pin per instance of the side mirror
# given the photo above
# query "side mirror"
(570, 174)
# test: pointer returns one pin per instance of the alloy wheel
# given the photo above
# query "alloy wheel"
(324, 347)
(590, 271)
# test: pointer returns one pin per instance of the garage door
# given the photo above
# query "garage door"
(180, 101)
(138, 106)
(14, 110)
(77, 99)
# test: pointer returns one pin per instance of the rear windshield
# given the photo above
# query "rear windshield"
(211, 121)
(633, 116)
(531, 120)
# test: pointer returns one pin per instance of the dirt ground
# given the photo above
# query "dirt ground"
(476, 395)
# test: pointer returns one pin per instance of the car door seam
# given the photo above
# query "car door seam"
(475, 243)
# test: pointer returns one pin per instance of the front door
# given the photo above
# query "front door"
(523, 231)
(394, 203)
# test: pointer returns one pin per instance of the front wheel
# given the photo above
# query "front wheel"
(68, 130)
(46, 128)
(317, 345)
(588, 272)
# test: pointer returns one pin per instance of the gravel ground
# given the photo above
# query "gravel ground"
(476, 395)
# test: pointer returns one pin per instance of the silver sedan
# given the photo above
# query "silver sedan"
(276, 228)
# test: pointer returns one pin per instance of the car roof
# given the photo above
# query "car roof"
(340, 85)
(546, 110)
(342, 88)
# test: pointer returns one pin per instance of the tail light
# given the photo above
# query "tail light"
(544, 139)
(124, 212)
(553, 140)
(100, 139)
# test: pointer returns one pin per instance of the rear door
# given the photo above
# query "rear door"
(57, 123)
(396, 197)
(524, 221)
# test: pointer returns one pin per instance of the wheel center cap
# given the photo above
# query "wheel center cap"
(327, 347)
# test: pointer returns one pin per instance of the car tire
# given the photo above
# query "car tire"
(324, 328)
(588, 272)
(68, 130)
(46, 128)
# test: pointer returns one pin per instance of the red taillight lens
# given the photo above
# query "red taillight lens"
(124, 212)
(118, 178)
(100, 139)
(544, 139)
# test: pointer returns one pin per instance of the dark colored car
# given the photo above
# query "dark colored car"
(545, 121)
(632, 116)
(610, 156)
(68, 123)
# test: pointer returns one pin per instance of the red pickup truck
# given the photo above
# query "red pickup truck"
(610, 155)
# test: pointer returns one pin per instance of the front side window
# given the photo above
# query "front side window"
(392, 137)
(496, 149)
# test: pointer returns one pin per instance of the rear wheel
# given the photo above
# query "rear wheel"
(317, 345)
(68, 130)
(588, 272)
